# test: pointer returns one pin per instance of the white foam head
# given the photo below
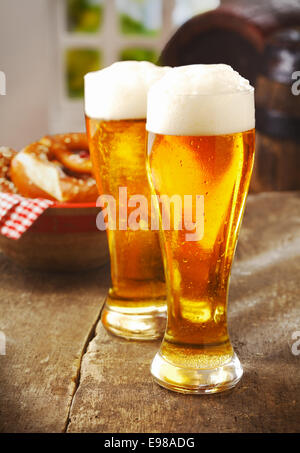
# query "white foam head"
(201, 100)
(120, 91)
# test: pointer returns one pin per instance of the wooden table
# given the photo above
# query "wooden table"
(63, 372)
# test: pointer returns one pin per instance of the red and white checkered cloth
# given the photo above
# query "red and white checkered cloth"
(17, 214)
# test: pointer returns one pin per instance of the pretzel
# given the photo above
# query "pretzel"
(40, 171)
(72, 150)
(6, 155)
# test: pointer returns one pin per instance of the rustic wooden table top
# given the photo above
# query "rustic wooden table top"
(63, 372)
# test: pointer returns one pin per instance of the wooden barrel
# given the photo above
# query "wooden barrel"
(277, 164)
(243, 34)
(235, 34)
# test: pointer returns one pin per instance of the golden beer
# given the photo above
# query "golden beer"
(196, 355)
(118, 155)
(136, 304)
(218, 167)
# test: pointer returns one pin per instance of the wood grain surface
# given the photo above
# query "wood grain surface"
(47, 320)
(61, 374)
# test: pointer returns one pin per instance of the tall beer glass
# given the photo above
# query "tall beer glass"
(201, 142)
(115, 105)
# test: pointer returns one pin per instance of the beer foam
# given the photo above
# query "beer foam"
(201, 100)
(120, 90)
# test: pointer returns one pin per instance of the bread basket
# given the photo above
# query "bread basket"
(64, 238)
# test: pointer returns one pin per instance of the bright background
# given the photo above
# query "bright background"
(46, 46)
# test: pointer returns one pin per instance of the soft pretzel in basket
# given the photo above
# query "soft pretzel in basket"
(6, 156)
(57, 168)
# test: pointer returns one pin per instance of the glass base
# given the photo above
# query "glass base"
(198, 381)
(135, 323)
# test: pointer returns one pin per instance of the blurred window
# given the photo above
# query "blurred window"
(139, 54)
(185, 9)
(140, 17)
(84, 16)
(92, 34)
(78, 63)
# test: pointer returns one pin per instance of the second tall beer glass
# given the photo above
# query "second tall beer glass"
(201, 143)
(115, 105)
